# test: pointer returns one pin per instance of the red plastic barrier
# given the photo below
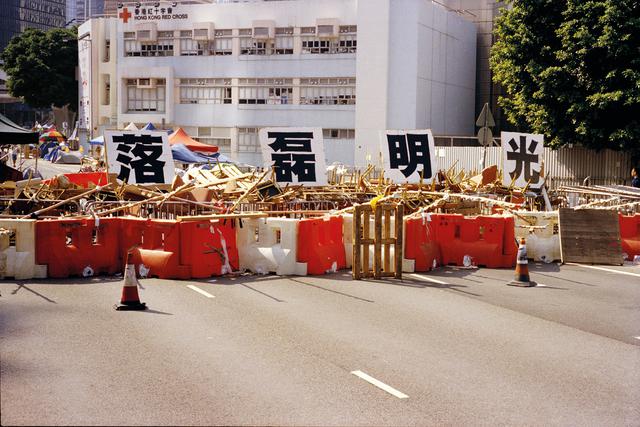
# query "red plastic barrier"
(84, 178)
(320, 244)
(484, 238)
(421, 244)
(202, 248)
(69, 246)
(630, 235)
(159, 244)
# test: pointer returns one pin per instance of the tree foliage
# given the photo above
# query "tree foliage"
(41, 67)
(571, 70)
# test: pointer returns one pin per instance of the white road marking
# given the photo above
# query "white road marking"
(380, 384)
(427, 278)
(638, 337)
(197, 289)
(605, 269)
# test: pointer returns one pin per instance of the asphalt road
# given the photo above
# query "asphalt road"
(457, 347)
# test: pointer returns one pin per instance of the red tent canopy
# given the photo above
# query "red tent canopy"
(181, 137)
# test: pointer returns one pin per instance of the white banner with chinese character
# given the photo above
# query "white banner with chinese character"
(522, 159)
(407, 155)
(296, 154)
(140, 157)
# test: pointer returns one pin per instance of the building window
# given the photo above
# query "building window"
(346, 42)
(328, 91)
(190, 47)
(222, 44)
(339, 133)
(250, 46)
(205, 91)
(283, 44)
(347, 39)
(107, 53)
(146, 94)
(162, 47)
(248, 140)
(265, 91)
(223, 144)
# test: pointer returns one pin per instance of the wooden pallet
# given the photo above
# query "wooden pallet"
(590, 236)
(382, 240)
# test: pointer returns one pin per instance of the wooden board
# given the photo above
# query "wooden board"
(590, 236)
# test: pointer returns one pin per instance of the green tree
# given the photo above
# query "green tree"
(571, 70)
(41, 67)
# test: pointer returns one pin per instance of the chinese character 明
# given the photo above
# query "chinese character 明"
(524, 159)
(140, 153)
(410, 150)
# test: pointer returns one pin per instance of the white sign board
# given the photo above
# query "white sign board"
(140, 157)
(408, 154)
(296, 154)
(522, 159)
(84, 84)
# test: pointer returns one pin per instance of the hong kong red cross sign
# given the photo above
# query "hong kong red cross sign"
(125, 15)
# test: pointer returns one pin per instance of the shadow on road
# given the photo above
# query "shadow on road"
(23, 286)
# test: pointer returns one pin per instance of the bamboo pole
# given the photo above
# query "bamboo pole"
(64, 202)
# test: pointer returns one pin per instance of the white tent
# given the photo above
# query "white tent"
(131, 126)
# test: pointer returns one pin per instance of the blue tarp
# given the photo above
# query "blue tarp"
(46, 147)
(149, 126)
(182, 154)
(97, 141)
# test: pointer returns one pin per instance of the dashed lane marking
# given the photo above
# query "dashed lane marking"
(427, 278)
(605, 269)
(380, 384)
(200, 291)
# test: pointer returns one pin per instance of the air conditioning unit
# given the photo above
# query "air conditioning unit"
(146, 83)
(264, 30)
(327, 28)
(203, 31)
(147, 32)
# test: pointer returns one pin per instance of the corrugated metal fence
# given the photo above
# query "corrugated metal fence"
(566, 166)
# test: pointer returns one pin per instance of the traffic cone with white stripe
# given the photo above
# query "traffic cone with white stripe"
(522, 268)
(130, 299)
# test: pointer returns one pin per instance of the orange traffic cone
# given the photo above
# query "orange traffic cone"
(522, 268)
(130, 299)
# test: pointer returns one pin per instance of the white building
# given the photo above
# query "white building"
(222, 71)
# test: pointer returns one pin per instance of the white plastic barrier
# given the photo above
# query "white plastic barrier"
(408, 265)
(19, 261)
(269, 245)
(540, 230)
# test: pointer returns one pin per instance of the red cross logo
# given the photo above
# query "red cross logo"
(125, 15)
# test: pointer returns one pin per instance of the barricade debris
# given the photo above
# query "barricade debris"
(217, 221)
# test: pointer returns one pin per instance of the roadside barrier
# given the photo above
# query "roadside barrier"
(78, 247)
(18, 251)
(270, 245)
(320, 244)
(540, 229)
(630, 235)
(84, 179)
(488, 240)
(158, 242)
(421, 244)
(208, 248)
(452, 239)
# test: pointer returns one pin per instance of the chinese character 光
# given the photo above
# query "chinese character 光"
(524, 159)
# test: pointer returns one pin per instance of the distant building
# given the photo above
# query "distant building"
(222, 71)
(15, 17)
(87, 9)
